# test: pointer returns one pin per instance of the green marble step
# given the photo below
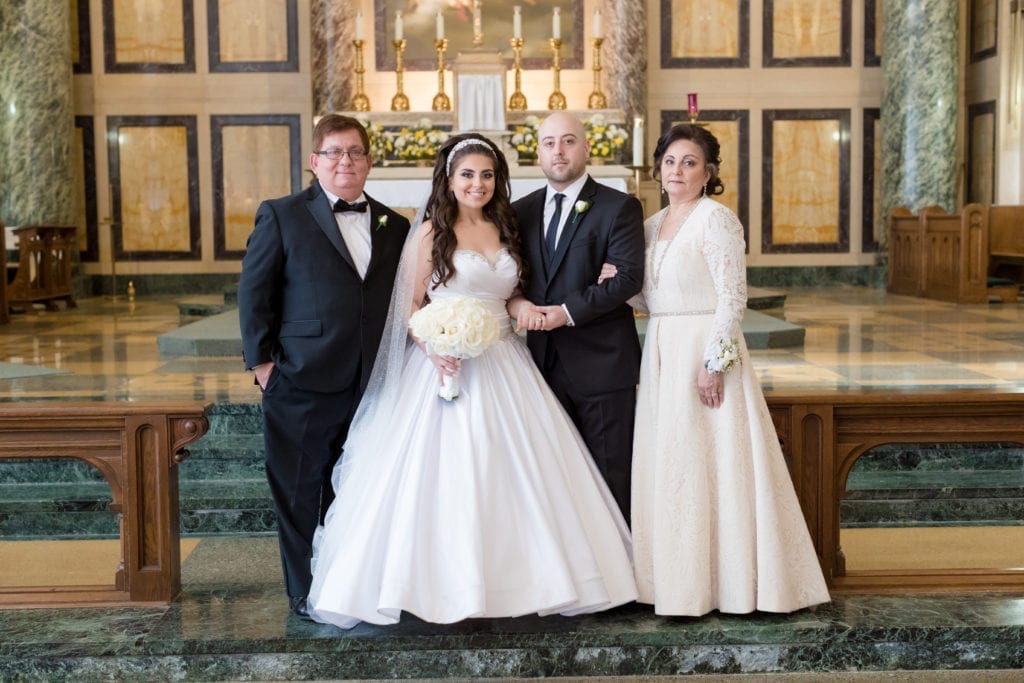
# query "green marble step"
(941, 457)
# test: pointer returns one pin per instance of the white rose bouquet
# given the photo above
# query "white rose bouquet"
(459, 326)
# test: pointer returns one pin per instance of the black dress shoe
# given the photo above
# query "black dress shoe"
(300, 608)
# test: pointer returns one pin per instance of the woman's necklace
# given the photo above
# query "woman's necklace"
(656, 260)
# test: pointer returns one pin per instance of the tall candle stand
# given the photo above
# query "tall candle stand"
(360, 102)
(399, 102)
(517, 101)
(597, 99)
(441, 101)
(693, 117)
(557, 99)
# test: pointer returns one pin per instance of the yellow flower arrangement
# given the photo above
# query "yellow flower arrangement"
(382, 145)
(605, 139)
(524, 138)
(421, 141)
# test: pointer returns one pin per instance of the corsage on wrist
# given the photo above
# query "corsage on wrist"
(726, 357)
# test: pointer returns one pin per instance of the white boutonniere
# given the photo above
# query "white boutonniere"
(382, 221)
(579, 208)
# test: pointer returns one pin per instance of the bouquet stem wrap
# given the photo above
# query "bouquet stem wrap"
(459, 326)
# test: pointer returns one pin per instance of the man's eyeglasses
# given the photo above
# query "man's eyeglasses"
(355, 154)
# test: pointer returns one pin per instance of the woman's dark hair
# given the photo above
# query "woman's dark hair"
(701, 137)
(443, 209)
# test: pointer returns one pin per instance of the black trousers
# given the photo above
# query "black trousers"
(605, 421)
(303, 432)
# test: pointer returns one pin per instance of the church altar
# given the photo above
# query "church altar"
(409, 187)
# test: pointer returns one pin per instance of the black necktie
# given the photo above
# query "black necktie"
(551, 237)
(341, 205)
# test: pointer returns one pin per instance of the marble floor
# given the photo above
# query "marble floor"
(231, 622)
(855, 338)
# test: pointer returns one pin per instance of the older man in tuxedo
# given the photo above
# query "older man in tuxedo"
(313, 298)
(581, 331)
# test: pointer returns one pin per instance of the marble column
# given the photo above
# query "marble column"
(624, 57)
(334, 63)
(920, 77)
(36, 113)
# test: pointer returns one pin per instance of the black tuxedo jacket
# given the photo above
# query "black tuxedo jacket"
(601, 352)
(301, 302)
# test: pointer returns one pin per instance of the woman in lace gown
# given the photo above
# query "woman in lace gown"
(716, 522)
(484, 506)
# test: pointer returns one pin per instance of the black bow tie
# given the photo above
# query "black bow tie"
(341, 205)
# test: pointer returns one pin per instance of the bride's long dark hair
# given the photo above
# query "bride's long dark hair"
(443, 209)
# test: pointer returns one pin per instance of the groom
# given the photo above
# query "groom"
(313, 298)
(581, 333)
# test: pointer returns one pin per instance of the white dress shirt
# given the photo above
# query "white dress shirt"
(355, 230)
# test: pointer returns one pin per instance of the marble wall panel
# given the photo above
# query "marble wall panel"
(806, 33)
(732, 129)
(496, 24)
(707, 34)
(253, 35)
(873, 224)
(806, 181)
(148, 36)
(81, 42)
(981, 152)
(254, 158)
(83, 157)
(983, 29)
(873, 32)
(154, 179)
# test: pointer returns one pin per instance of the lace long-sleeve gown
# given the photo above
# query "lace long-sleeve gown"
(485, 506)
(716, 522)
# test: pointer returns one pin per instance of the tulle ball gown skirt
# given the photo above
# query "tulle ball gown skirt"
(485, 506)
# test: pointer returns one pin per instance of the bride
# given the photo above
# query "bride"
(485, 506)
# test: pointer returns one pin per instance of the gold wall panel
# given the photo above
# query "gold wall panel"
(257, 166)
(705, 29)
(149, 31)
(75, 47)
(983, 28)
(806, 28)
(154, 188)
(981, 162)
(728, 134)
(253, 30)
(805, 181)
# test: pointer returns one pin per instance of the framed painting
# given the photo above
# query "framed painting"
(731, 127)
(806, 33)
(806, 181)
(419, 25)
(710, 34)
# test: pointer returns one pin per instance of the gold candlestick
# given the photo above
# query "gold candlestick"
(693, 117)
(557, 99)
(518, 100)
(597, 99)
(360, 102)
(399, 102)
(441, 101)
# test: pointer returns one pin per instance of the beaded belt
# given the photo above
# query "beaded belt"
(670, 314)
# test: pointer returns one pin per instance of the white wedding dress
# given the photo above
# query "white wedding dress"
(485, 506)
(716, 521)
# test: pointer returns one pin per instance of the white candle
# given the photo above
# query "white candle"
(440, 26)
(638, 141)
(597, 24)
(556, 24)
(398, 26)
(517, 22)
(359, 25)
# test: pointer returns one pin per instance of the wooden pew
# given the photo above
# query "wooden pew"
(1006, 242)
(137, 448)
(44, 265)
(949, 256)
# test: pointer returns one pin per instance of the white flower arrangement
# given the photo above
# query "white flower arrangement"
(382, 143)
(605, 139)
(726, 357)
(421, 141)
(524, 138)
(459, 326)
